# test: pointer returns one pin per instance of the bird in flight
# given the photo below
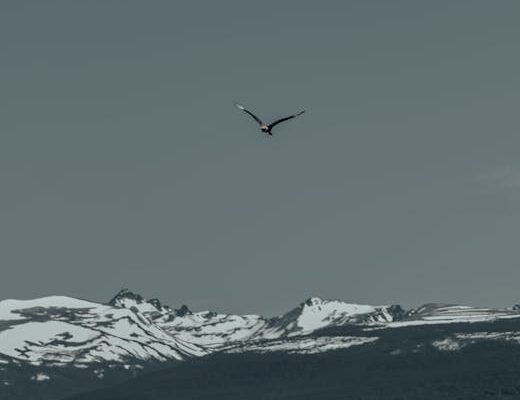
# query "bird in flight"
(266, 128)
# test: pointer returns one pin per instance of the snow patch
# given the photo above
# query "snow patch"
(40, 377)
(447, 344)
(100, 373)
(306, 345)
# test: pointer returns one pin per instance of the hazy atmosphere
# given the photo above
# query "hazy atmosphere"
(123, 162)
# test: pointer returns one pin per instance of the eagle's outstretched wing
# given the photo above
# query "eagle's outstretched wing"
(273, 124)
(240, 107)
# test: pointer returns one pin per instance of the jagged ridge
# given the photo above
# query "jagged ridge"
(62, 330)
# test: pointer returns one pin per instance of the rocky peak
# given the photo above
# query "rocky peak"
(183, 311)
(313, 301)
(123, 294)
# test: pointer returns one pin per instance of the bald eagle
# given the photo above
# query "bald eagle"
(266, 128)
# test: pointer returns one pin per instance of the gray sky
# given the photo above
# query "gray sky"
(123, 162)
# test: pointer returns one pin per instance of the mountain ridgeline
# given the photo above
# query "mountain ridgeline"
(55, 347)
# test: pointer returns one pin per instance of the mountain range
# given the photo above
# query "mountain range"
(57, 346)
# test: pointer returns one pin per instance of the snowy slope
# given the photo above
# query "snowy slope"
(61, 330)
(213, 330)
(316, 313)
(451, 313)
(206, 328)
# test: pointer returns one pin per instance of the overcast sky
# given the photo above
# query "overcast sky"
(123, 162)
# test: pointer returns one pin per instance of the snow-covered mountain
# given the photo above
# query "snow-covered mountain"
(214, 330)
(316, 313)
(205, 328)
(332, 349)
(433, 313)
(42, 340)
(235, 333)
(61, 330)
